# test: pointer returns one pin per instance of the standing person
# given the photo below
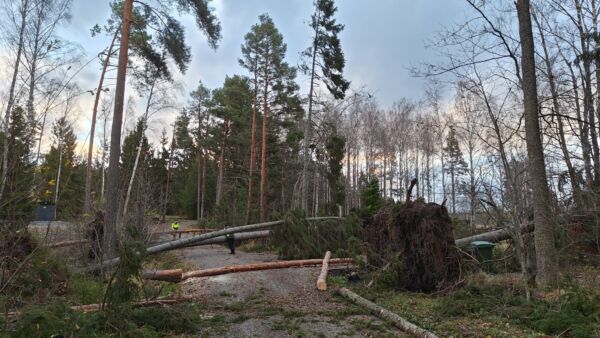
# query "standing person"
(231, 243)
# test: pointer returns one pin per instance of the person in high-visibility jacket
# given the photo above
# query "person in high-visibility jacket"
(175, 226)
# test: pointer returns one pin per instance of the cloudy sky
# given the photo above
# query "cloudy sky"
(381, 40)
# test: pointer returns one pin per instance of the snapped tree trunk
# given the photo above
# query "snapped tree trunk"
(547, 269)
(112, 202)
(322, 280)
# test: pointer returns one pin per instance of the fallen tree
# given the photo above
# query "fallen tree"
(263, 266)
(185, 242)
(322, 280)
(493, 236)
(377, 310)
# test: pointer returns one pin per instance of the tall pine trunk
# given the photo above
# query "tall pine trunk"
(263, 157)
(252, 145)
(88, 169)
(308, 125)
(112, 202)
(547, 270)
(221, 163)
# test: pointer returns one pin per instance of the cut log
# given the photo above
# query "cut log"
(183, 242)
(68, 243)
(395, 319)
(492, 236)
(173, 275)
(322, 280)
(262, 266)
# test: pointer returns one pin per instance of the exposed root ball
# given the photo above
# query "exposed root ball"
(421, 236)
(431, 259)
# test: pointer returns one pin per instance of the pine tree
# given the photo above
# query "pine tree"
(171, 37)
(455, 164)
(325, 51)
(264, 53)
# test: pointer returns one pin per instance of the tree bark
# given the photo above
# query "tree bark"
(88, 169)
(547, 270)
(377, 310)
(112, 203)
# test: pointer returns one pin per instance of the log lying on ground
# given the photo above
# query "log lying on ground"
(242, 236)
(68, 243)
(492, 236)
(183, 242)
(322, 280)
(377, 310)
(263, 266)
(173, 275)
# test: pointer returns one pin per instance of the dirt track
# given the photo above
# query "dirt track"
(271, 303)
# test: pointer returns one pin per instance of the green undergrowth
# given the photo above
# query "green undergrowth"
(44, 290)
(298, 238)
(58, 320)
(495, 309)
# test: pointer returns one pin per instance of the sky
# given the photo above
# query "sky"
(381, 40)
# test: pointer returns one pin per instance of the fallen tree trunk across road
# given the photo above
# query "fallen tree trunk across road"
(492, 236)
(177, 275)
(377, 310)
(263, 266)
(186, 242)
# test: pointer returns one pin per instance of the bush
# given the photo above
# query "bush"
(297, 238)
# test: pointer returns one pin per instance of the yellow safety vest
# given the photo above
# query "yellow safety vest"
(175, 226)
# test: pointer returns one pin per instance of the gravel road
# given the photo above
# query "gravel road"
(271, 303)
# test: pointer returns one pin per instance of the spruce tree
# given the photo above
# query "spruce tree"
(455, 165)
(16, 203)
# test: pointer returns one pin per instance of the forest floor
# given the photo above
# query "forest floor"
(271, 303)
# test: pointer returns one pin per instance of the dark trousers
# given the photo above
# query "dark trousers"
(231, 244)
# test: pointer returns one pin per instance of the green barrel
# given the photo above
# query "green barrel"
(483, 251)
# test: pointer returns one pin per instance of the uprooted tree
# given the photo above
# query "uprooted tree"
(416, 238)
